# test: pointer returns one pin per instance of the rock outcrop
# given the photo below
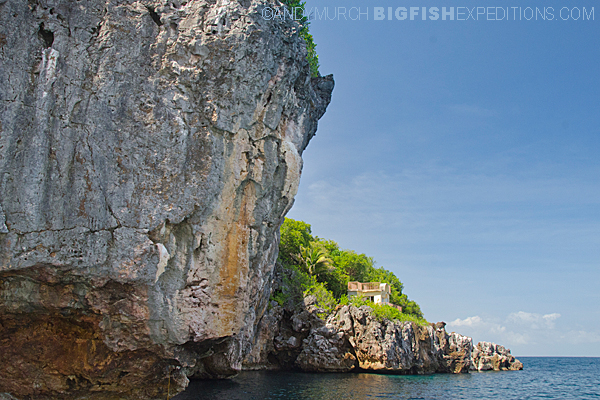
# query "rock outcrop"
(352, 338)
(148, 153)
(491, 356)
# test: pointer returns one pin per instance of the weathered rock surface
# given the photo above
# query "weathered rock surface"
(491, 356)
(353, 339)
(399, 347)
(148, 153)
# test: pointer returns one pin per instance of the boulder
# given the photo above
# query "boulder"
(489, 356)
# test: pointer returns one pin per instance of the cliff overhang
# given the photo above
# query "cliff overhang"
(148, 153)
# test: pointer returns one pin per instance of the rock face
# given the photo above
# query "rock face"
(148, 153)
(491, 356)
(353, 339)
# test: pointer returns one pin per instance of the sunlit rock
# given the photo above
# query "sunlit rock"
(148, 153)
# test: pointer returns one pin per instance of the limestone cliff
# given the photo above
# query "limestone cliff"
(148, 153)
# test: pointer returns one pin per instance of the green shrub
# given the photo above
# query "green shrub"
(359, 300)
(409, 317)
(298, 8)
(344, 300)
(325, 299)
(280, 297)
(312, 56)
(384, 311)
(290, 293)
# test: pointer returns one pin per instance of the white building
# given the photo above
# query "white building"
(378, 293)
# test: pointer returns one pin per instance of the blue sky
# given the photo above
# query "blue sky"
(464, 157)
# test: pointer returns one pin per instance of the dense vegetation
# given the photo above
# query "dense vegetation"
(316, 266)
(297, 9)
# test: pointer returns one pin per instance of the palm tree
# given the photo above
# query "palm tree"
(315, 259)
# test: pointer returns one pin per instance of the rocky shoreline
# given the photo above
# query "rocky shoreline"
(299, 334)
(352, 338)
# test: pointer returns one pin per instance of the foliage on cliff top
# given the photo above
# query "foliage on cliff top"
(297, 8)
(384, 311)
(344, 266)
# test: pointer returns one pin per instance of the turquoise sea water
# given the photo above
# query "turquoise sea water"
(542, 378)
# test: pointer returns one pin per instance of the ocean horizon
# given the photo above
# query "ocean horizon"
(541, 378)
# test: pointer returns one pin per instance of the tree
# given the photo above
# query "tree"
(410, 307)
(294, 236)
(315, 260)
(356, 266)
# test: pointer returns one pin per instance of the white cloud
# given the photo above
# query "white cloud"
(517, 338)
(533, 320)
(551, 317)
(471, 321)
(476, 326)
(523, 328)
(582, 337)
(518, 328)
(522, 316)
